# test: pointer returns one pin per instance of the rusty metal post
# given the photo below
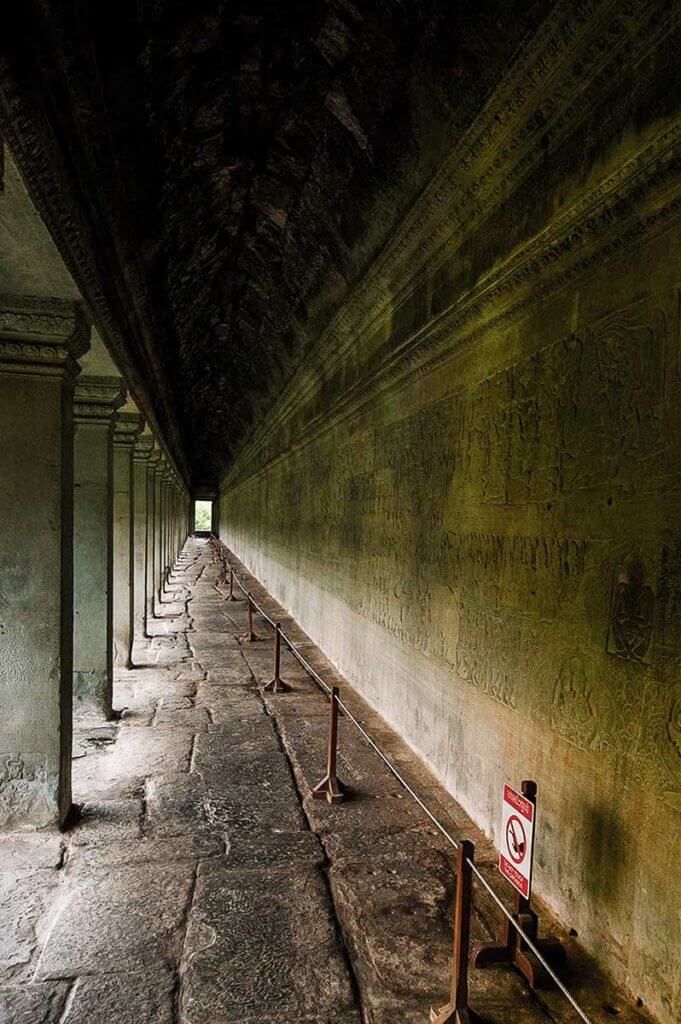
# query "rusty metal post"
(511, 947)
(230, 596)
(249, 637)
(330, 788)
(277, 684)
(457, 1010)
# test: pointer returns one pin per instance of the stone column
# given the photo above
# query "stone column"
(40, 339)
(169, 519)
(158, 531)
(152, 464)
(141, 455)
(96, 401)
(164, 530)
(173, 532)
(165, 557)
(171, 514)
(181, 521)
(127, 427)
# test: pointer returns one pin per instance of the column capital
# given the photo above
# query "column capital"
(41, 336)
(154, 456)
(97, 398)
(127, 428)
(144, 448)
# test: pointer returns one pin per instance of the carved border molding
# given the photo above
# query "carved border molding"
(98, 398)
(638, 198)
(127, 428)
(144, 447)
(42, 335)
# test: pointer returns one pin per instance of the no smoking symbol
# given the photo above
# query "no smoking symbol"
(516, 840)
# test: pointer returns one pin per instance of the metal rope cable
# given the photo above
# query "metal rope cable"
(454, 843)
(327, 689)
(253, 601)
(549, 970)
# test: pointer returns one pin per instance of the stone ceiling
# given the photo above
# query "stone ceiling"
(231, 168)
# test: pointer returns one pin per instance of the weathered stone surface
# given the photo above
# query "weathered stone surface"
(107, 822)
(176, 805)
(33, 1004)
(265, 849)
(25, 902)
(246, 807)
(236, 759)
(236, 707)
(262, 946)
(142, 752)
(395, 917)
(167, 850)
(144, 998)
(195, 718)
(23, 853)
(128, 920)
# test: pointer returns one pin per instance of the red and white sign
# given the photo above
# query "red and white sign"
(517, 840)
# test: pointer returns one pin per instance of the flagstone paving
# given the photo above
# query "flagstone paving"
(202, 885)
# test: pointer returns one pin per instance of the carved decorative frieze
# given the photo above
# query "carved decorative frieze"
(98, 398)
(42, 336)
(144, 447)
(155, 456)
(28, 790)
(127, 428)
(674, 720)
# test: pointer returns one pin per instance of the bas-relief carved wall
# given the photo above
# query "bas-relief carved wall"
(377, 517)
(521, 533)
(504, 519)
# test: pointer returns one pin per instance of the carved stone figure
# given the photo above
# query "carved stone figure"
(631, 615)
(573, 715)
(674, 723)
(15, 768)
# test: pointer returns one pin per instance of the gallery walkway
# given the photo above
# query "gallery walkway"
(202, 885)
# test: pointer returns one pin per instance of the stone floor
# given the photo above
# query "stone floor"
(202, 885)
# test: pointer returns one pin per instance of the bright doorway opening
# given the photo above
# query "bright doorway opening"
(203, 516)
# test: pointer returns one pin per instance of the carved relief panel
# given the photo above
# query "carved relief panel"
(632, 607)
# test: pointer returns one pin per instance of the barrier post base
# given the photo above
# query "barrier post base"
(250, 638)
(450, 1015)
(330, 789)
(230, 596)
(511, 948)
(276, 685)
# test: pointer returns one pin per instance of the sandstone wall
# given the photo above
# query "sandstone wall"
(469, 495)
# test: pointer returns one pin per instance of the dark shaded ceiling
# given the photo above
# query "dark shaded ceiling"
(234, 166)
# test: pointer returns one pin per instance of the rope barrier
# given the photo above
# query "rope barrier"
(438, 824)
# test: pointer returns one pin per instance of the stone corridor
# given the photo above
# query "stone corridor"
(202, 885)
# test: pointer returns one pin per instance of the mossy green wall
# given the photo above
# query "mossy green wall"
(469, 497)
